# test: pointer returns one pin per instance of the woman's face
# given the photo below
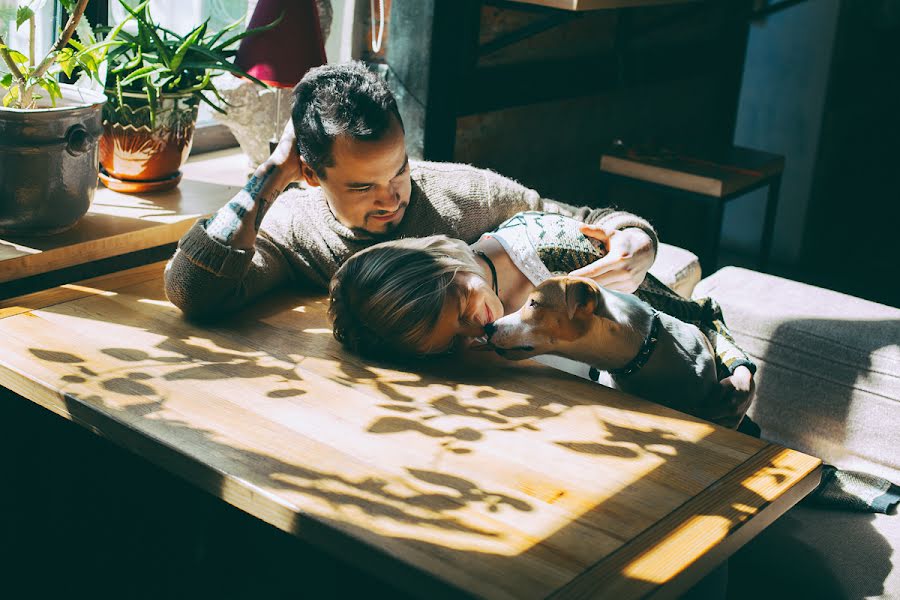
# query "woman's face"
(464, 314)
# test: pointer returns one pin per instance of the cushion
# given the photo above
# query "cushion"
(829, 367)
(677, 268)
(822, 554)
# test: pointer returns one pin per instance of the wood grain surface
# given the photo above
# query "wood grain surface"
(456, 478)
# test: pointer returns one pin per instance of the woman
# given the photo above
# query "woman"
(424, 296)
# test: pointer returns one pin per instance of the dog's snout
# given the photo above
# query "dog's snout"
(489, 329)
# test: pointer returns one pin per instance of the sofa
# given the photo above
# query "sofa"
(828, 384)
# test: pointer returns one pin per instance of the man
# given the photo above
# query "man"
(350, 150)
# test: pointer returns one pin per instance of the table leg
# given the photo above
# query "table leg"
(765, 245)
(708, 261)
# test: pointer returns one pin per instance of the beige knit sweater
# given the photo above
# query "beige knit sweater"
(301, 243)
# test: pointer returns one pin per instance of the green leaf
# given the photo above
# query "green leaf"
(223, 67)
(49, 84)
(145, 25)
(144, 72)
(23, 14)
(18, 57)
(69, 5)
(66, 61)
(212, 104)
(227, 28)
(249, 32)
(6, 80)
(11, 96)
(188, 42)
(88, 63)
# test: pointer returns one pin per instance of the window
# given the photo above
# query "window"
(17, 37)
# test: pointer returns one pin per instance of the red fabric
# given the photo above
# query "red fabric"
(281, 56)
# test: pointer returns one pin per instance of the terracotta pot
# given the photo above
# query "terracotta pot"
(143, 150)
(48, 163)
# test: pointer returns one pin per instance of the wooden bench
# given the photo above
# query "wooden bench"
(464, 477)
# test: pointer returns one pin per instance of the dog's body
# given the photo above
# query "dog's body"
(577, 319)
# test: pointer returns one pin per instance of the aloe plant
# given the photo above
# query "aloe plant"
(27, 76)
(154, 61)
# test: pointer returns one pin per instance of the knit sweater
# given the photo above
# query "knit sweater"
(302, 244)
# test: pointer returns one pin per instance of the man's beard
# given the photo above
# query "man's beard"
(390, 227)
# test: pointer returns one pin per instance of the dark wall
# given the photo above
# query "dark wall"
(543, 109)
(851, 240)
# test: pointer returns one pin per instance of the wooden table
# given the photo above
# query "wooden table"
(121, 223)
(476, 477)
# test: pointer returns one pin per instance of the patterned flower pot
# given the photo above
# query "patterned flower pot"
(141, 149)
(48, 163)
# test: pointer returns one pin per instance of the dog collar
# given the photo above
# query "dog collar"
(642, 357)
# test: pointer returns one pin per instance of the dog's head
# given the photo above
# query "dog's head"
(559, 311)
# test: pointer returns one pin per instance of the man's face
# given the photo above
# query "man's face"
(368, 186)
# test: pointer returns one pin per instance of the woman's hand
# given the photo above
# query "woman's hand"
(629, 256)
(731, 399)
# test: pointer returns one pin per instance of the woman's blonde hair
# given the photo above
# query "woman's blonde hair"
(388, 297)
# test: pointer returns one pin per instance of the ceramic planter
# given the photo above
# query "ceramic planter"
(48, 163)
(143, 150)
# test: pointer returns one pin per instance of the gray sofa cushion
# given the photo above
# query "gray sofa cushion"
(828, 384)
(829, 367)
(677, 268)
(821, 554)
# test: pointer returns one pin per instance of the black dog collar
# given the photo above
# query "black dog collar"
(642, 356)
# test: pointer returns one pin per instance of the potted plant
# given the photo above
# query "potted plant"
(156, 80)
(48, 134)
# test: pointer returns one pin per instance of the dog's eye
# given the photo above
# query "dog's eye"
(532, 303)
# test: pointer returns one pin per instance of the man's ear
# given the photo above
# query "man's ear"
(309, 175)
(581, 298)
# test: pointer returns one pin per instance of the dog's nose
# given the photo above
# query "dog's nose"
(489, 329)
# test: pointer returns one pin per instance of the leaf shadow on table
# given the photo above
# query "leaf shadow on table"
(266, 344)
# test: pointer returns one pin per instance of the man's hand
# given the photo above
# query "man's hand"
(629, 256)
(284, 159)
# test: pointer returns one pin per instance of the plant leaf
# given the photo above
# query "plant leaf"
(249, 32)
(227, 28)
(49, 84)
(66, 61)
(23, 14)
(188, 42)
(6, 81)
(145, 26)
(223, 67)
(212, 104)
(144, 72)
(18, 57)
(11, 96)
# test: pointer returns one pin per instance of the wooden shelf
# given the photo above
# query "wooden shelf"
(122, 223)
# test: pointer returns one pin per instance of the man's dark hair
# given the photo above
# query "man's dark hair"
(341, 99)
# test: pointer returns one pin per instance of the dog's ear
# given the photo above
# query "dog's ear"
(581, 298)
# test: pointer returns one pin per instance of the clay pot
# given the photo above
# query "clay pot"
(48, 163)
(143, 150)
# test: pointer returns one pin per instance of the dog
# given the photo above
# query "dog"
(647, 353)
